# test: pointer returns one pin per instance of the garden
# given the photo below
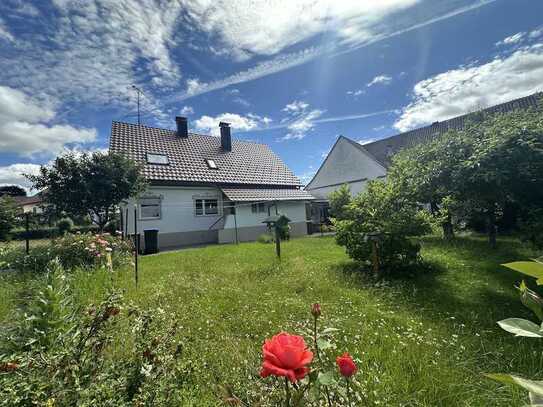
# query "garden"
(192, 332)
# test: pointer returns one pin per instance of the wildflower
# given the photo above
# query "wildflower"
(287, 356)
(346, 365)
(316, 310)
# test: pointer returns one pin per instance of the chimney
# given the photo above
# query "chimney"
(182, 127)
(226, 137)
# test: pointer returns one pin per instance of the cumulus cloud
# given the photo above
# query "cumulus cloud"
(513, 39)
(4, 32)
(186, 111)
(300, 120)
(25, 128)
(296, 106)
(469, 88)
(14, 174)
(380, 80)
(356, 93)
(237, 122)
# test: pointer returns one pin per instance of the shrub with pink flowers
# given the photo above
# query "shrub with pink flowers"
(72, 250)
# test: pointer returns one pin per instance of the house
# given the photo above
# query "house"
(354, 164)
(206, 189)
(30, 204)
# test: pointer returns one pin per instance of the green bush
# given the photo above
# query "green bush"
(73, 250)
(53, 353)
(531, 228)
(48, 232)
(265, 238)
(64, 225)
(378, 228)
(8, 213)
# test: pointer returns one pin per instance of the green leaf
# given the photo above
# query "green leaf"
(521, 327)
(533, 386)
(529, 268)
(531, 300)
(326, 379)
(327, 331)
(324, 344)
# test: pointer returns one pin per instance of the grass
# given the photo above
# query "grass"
(420, 341)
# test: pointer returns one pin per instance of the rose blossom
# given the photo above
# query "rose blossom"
(346, 365)
(286, 355)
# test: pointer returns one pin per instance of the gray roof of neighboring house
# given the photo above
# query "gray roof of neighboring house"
(247, 164)
(383, 149)
(28, 200)
(239, 194)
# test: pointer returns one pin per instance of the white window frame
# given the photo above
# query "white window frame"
(203, 199)
(141, 217)
(149, 161)
(212, 164)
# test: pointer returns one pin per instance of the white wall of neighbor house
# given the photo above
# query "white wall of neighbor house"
(177, 210)
(245, 217)
(346, 164)
(32, 208)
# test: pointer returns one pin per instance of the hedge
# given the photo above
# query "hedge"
(49, 232)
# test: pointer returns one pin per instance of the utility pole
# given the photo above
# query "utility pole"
(139, 92)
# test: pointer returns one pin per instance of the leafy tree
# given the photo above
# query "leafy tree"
(89, 184)
(8, 215)
(339, 202)
(12, 190)
(378, 224)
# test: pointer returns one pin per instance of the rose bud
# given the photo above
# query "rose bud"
(346, 365)
(316, 310)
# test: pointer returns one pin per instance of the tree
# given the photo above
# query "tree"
(89, 184)
(8, 215)
(339, 201)
(378, 225)
(12, 190)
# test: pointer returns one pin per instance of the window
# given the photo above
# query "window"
(157, 159)
(206, 207)
(212, 164)
(258, 207)
(150, 208)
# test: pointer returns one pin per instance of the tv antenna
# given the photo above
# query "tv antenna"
(139, 92)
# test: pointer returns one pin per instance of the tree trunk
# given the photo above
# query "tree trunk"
(448, 230)
(492, 227)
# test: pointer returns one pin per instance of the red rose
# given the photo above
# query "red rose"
(286, 355)
(316, 310)
(346, 365)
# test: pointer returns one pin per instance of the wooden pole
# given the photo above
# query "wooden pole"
(277, 242)
(27, 234)
(136, 244)
(126, 224)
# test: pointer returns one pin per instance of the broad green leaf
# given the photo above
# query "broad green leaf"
(521, 327)
(531, 300)
(529, 268)
(326, 379)
(324, 344)
(536, 400)
(533, 386)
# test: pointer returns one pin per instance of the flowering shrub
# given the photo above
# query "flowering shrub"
(308, 377)
(72, 250)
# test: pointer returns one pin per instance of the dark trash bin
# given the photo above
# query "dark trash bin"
(151, 241)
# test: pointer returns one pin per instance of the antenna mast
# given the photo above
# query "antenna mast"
(139, 92)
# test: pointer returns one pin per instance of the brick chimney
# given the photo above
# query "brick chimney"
(182, 127)
(226, 137)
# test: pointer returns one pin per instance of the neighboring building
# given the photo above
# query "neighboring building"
(30, 204)
(355, 164)
(205, 189)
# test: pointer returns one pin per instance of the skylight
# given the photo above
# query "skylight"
(157, 158)
(211, 164)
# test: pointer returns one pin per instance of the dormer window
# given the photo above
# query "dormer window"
(157, 159)
(212, 164)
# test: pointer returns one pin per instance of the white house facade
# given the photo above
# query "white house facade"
(205, 189)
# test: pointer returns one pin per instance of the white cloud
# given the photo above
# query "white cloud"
(469, 88)
(295, 107)
(304, 123)
(536, 33)
(366, 141)
(237, 122)
(24, 127)
(380, 80)
(4, 32)
(356, 93)
(513, 39)
(186, 111)
(14, 174)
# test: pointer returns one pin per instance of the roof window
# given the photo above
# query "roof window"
(157, 159)
(211, 164)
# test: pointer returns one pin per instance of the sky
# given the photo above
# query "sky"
(293, 74)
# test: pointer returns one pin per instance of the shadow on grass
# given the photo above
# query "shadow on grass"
(463, 277)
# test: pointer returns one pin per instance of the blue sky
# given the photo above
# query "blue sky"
(291, 74)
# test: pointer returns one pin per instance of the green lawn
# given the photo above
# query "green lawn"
(423, 341)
